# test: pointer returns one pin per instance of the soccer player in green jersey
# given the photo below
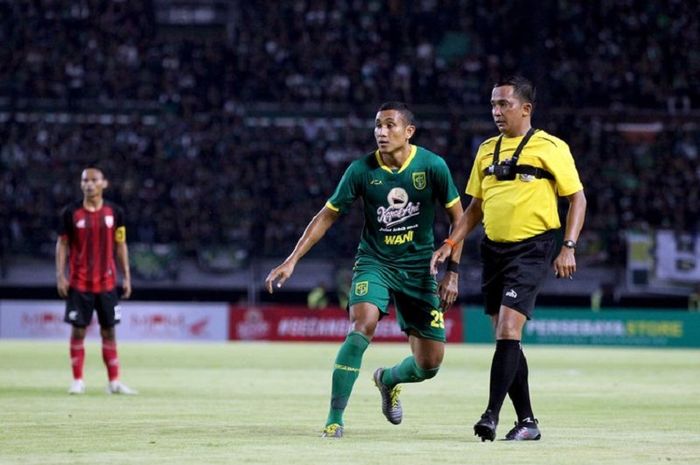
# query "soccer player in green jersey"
(399, 184)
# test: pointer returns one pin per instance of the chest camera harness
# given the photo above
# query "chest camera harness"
(507, 169)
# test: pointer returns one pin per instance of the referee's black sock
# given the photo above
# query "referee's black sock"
(503, 370)
(519, 391)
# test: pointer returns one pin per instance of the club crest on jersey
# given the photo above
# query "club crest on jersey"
(361, 288)
(419, 180)
(109, 221)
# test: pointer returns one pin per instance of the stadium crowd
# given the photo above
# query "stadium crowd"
(220, 181)
(199, 170)
(619, 53)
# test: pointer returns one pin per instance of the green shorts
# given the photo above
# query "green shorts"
(414, 295)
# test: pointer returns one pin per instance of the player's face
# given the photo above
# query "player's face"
(508, 111)
(92, 183)
(392, 131)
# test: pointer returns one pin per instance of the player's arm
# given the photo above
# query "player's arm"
(565, 263)
(123, 261)
(313, 233)
(448, 288)
(62, 283)
(471, 217)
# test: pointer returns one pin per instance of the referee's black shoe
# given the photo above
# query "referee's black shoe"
(485, 428)
(525, 430)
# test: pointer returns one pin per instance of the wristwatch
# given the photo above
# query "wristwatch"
(569, 244)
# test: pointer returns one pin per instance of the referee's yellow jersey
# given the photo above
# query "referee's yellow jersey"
(519, 209)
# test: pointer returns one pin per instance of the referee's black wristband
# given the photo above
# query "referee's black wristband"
(453, 266)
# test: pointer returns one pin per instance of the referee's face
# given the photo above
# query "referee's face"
(511, 115)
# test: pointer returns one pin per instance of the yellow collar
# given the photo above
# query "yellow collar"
(383, 166)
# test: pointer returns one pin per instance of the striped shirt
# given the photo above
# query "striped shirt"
(92, 236)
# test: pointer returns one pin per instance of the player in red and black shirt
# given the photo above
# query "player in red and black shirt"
(89, 234)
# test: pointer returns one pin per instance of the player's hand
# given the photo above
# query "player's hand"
(126, 289)
(62, 286)
(278, 276)
(448, 290)
(439, 257)
(565, 264)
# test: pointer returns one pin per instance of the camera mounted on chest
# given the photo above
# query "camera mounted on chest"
(506, 170)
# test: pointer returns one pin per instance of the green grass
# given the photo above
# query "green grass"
(261, 403)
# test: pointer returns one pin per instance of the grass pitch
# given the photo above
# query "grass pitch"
(264, 403)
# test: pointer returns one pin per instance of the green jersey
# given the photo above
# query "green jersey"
(399, 206)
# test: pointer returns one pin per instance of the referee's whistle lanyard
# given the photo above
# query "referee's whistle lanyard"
(518, 150)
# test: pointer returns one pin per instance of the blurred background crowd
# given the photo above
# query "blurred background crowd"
(612, 54)
(230, 125)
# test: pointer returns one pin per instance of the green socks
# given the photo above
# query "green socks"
(407, 372)
(347, 368)
(345, 372)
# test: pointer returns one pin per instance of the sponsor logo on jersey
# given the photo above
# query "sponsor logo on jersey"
(399, 209)
(398, 239)
(419, 180)
(375, 182)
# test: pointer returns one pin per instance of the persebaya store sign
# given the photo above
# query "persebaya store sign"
(670, 328)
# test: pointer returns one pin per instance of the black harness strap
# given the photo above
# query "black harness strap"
(538, 173)
(518, 150)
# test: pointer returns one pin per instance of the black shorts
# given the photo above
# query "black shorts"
(513, 272)
(79, 307)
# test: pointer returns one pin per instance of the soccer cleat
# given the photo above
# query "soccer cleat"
(117, 387)
(525, 430)
(77, 387)
(333, 431)
(391, 405)
(485, 428)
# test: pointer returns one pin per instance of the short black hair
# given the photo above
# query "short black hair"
(401, 108)
(522, 87)
(96, 166)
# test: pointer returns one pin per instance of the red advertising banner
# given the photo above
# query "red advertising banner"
(36, 319)
(298, 323)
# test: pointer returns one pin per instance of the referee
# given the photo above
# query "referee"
(515, 183)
